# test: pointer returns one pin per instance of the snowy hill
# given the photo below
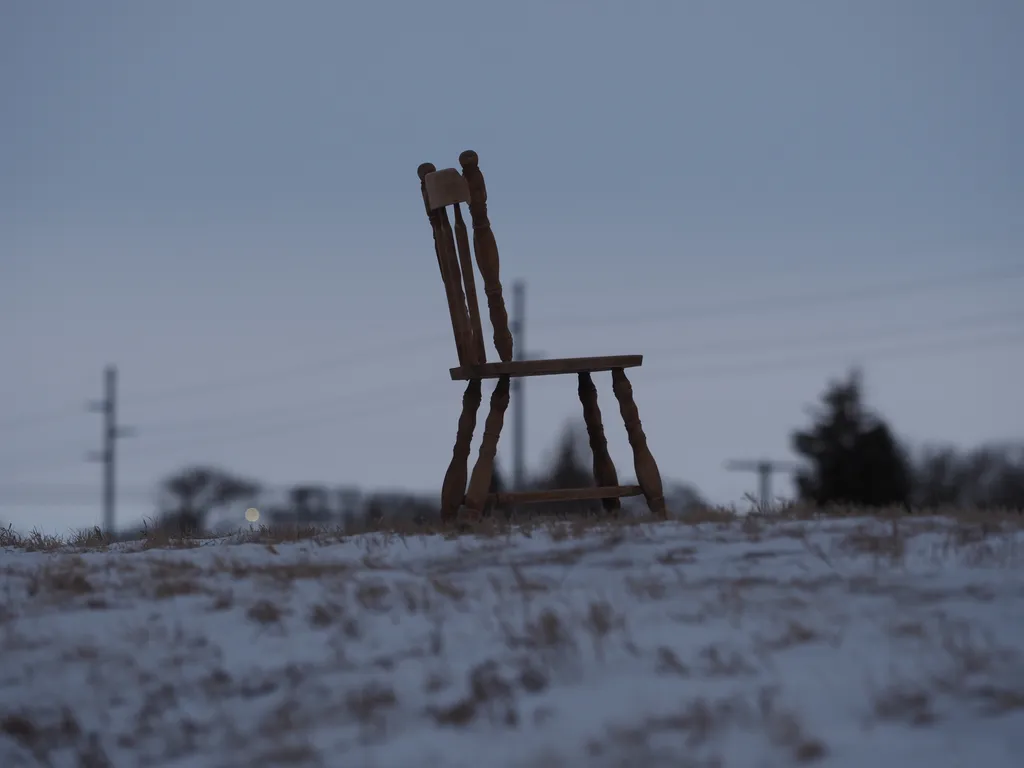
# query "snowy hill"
(847, 642)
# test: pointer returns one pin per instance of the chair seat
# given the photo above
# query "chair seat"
(551, 367)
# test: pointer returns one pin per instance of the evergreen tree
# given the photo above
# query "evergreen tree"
(853, 456)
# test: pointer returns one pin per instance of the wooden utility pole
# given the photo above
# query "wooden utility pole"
(518, 326)
(764, 468)
(107, 455)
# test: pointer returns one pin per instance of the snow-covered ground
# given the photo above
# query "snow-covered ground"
(832, 642)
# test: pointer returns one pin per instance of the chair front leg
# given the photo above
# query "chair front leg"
(647, 475)
(480, 482)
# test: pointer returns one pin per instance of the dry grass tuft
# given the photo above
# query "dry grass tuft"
(373, 595)
(176, 588)
(490, 694)
(869, 540)
(700, 719)
(60, 579)
(669, 663)
(904, 703)
(997, 701)
(729, 663)
(974, 522)
(794, 634)
(34, 541)
(264, 612)
(370, 703)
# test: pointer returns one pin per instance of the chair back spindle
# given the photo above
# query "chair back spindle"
(466, 262)
(486, 250)
(434, 191)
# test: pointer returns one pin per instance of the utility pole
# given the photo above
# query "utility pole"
(518, 328)
(764, 468)
(518, 405)
(108, 456)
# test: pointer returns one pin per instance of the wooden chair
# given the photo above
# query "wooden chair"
(448, 187)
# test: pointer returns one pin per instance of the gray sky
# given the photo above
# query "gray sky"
(220, 198)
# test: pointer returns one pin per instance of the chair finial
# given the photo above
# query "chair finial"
(424, 169)
(469, 159)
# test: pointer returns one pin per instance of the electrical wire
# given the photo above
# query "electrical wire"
(905, 352)
(353, 406)
(386, 352)
(793, 302)
(360, 410)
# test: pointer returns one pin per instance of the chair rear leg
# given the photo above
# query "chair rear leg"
(604, 468)
(453, 490)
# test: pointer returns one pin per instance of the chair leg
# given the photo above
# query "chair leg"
(480, 482)
(647, 475)
(604, 468)
(454, 488)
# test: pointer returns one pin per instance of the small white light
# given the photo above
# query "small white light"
(252, 514)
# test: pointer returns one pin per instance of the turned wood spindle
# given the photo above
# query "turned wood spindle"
(453, 490)
(447, 263)
(466, 262)
(486, 249)
(604, 468)
(480, 482)
(464, 313)
(647, 475)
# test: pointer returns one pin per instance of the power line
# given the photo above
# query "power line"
(65, 494)
(39, 418)
(357, 405)
(901, 353)
(354, 400)
(300, 420)
(799, 301)
(890, 289)
(357, 401)
(712, 349)
(321, 418)
(941, 328)
(377, 353)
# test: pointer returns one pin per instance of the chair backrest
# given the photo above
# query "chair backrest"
(448, 187)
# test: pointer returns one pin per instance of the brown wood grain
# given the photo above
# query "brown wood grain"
(647, 474)
(459, 319)
(455, 262)
(466, 262)
(454, 283)
(564, 494)
(550, 367)
(453, 490)
(480, 481)
(604, 467)
(486, 249)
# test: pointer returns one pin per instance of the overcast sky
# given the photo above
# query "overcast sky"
(220, 198)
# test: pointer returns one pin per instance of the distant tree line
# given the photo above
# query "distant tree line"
(850, 457)
(198, 498)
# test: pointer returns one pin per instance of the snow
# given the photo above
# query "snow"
(749, 643)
